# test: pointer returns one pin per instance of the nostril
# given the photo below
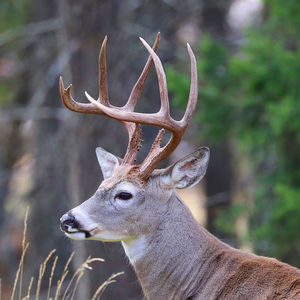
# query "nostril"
(67, 222)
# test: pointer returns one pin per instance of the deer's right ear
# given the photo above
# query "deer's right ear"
(187, 171)
(107, 161)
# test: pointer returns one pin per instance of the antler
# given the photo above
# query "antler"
(134, 129)
(132, 119)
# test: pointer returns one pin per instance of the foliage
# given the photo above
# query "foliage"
(252, 96)
(13, 15)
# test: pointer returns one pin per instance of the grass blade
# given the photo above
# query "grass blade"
(42, 272)
(51, 276)
(103, 286)
(23, 247)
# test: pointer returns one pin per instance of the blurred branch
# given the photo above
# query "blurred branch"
(54, 71)
(24, 114)
(33, 111)
(30, 30)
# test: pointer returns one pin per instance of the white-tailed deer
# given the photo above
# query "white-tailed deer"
(173, 256)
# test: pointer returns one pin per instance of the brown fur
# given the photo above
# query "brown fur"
(128, 172)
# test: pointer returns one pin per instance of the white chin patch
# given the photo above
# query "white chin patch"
(76, 235)
(71, 229)
(105, 236)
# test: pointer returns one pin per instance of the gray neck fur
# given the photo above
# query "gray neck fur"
(180, 258)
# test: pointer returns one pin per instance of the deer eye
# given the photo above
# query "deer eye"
(124, 196)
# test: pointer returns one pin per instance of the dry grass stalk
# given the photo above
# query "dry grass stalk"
(77, 282)
(23, 248)
(0, 287)
(41, 273)
(64, 275)
(79, 272)
(103, 286)
(76, 285)
(29, 289)
(18, 271)
(51, 276)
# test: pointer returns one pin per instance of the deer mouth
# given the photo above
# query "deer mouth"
(79, 234)
(68, 230)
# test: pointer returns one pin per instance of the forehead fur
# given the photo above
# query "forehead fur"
(122, 173)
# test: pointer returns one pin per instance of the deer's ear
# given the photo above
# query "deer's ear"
(187, 171)
(107, 161)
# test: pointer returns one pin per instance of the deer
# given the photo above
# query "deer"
(136, 204)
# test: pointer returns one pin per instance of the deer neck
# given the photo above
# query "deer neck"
(173, 262)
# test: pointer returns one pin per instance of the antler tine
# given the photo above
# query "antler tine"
(89, 108)
(103, 90)
(193, 96)
(73, 105)
(137, 89)
(134, 129)
(162, 82)
(158, 154)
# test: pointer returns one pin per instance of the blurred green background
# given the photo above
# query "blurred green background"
(248, 114)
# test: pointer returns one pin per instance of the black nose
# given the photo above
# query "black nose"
(67, 222)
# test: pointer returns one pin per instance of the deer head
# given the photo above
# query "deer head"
(133, 199)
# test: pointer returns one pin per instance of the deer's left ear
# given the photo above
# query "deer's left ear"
(187, 171)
